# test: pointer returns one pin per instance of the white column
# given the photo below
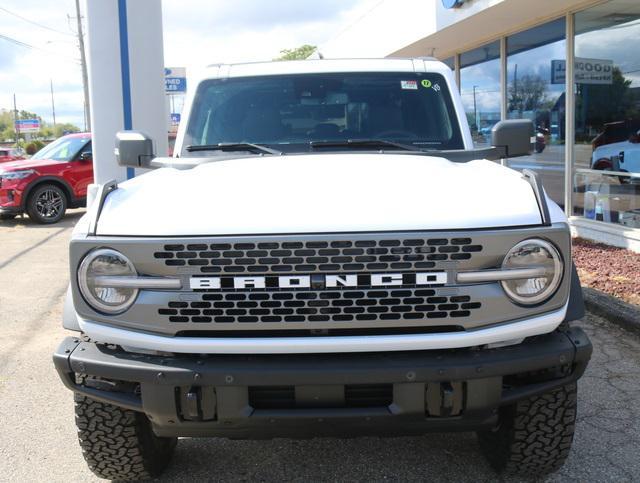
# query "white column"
(570, 103)
(126, 72)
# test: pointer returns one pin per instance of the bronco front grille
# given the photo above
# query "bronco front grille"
(324, 306)
(325, 256)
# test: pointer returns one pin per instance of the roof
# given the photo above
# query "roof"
(77, 135)
(311, 66)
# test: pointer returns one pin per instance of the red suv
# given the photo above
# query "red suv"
(54, 179)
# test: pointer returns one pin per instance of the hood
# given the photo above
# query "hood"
(27, 164)
(320, 193)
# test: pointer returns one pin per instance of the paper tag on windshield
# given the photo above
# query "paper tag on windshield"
(409, 84)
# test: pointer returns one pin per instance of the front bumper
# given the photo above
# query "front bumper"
(10, 210)
(260, 396)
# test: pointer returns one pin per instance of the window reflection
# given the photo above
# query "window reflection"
(607, 137)
(535, 91)
(480, 90)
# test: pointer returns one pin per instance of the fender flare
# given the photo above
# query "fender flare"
(43, 179)
(575, 307)
(69, 314)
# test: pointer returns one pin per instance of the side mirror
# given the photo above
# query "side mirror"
(134, 149)
(86, 156)
(514, 137)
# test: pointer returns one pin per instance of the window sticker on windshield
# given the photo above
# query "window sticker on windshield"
(409, 84)
(426, 83)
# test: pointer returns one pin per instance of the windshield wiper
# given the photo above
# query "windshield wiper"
(363, 143)
(231, 147)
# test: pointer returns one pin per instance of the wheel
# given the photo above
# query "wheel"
(6, 216)
(534, 436)
(119, 444)
(47, 204)
(539, 149)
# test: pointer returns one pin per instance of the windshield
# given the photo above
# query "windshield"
(290, 111)
(62, 149)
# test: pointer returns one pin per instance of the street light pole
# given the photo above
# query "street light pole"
(83, 62)
(475, 110)
(53, 105)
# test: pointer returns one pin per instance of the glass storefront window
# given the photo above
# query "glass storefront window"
(480, 90)
(536, 92)
(607, 128)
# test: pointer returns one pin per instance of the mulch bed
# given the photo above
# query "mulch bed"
(612, 270)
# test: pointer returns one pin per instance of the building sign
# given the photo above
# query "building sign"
(175, 118)
(453, 3)
(175, 80)
(27, 125)
(587, 71)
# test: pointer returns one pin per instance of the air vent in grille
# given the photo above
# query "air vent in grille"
(324, 256)
(325, 306)
(355, 396)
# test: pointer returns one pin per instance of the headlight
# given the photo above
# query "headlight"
(24, 173)
(533, 253)
(105, 262)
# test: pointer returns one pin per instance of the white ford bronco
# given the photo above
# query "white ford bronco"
(326, 254)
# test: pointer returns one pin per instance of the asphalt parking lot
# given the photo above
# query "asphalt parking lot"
(37, 433)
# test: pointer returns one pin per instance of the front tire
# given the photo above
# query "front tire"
(119, 444)
(534, 436)
(47, 204)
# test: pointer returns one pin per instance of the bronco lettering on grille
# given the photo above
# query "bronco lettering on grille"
(318, 281)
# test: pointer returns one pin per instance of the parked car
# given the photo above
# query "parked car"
(10, 154)
(614, 139)
(52, 180)
(622, 156)
(541, 140)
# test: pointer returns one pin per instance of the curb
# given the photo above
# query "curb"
(614, 310)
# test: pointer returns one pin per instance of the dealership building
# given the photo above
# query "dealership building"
(519, 59)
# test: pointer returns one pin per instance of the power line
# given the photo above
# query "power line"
(17, 42)
(33, 23)
(25, 45)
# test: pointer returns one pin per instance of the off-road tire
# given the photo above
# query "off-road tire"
(534, 436)
(36, 214)
(119, 444)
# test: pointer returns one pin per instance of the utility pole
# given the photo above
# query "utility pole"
(16, 126)
(53, 105)
(83, 62)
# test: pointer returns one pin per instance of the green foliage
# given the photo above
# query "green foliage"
(31, 149)
(527, 94)
(607, 103)
(299, 53)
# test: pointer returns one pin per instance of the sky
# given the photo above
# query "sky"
(196, 33)
(201, 32)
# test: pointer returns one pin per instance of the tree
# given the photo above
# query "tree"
(299, 53)
(600, 104)
(528, 93)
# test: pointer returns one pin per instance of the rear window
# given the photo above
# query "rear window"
(291, 110)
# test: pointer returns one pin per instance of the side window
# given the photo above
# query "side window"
(86, 152)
